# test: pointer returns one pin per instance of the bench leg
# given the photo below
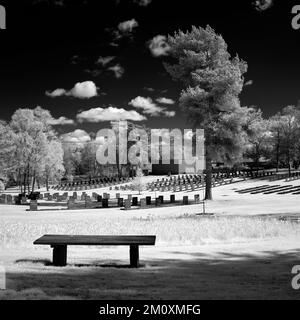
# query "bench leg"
(134, 256)
(59, 256)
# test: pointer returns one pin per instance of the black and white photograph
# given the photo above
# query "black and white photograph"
(149, 151)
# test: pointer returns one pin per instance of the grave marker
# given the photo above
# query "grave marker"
(33, 205)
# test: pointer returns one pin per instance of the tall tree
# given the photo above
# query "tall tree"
(290, 126)
(27, 144)
(52, 168)
(213, 81)
(259, 136)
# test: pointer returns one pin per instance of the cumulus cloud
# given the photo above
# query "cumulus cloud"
(262, 5)
(118, 70)
(103, 61)
(56, 93)
(149, 107)
(109, 114)
(81, 90)
(149, 89)
(165, 100)
(77, 136)
(159, 46)
(61, 121)
(142, 3)
(249, 83)
(128, 26)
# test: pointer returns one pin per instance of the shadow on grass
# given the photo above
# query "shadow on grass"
(44, 262)
(223, 275)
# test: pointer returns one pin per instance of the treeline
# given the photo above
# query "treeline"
(33, 155)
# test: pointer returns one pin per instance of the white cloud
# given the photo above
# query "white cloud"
(149, 89)
(56, 93)
(81, 90)
(118, 70)
(77, 136)
(150, 107)
(165, 100)
(147, 105)
(61, 121)
(105, 60)
(249, 83)
(142, 3)
(128, 26)
(109, 114)
(159, 46)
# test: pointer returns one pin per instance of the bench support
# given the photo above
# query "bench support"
(59, 255)
(134, 256)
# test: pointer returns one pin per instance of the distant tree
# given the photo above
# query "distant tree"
(25, 145)
(275, 126)
(72, 160)
(52, 168)
(89, 164)
(213, 81)
(290, 127)
(259, 136)
(8, 163)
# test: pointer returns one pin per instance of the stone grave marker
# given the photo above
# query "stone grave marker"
(105, 203)
(33, 205)
(143, 203)
(135, 201)
(9, 199)
(161, 199)
(185, 200)
(172, 198)
(148, 201)
(120, 202)
(197, 198)
(127, 204)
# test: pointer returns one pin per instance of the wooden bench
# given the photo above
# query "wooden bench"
(59, 244)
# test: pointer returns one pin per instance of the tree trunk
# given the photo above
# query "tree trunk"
(24, 182)
(47, 184)
(208, 179)
(277, 153)
(33, 183)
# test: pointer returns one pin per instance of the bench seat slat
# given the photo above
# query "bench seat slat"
(95, 240)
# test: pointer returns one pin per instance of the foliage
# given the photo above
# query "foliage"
(28, 146)
(212, 82)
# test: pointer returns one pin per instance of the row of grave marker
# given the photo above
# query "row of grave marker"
(127, 204)
(93, 184)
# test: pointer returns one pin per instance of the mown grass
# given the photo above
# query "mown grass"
(183, 230)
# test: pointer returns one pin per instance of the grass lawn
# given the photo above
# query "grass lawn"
(243, 252)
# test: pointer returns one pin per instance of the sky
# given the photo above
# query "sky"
(90, 62)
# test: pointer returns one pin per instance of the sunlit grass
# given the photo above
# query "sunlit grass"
(183, 230)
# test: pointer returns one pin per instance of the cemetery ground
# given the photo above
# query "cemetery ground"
(245, 250)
